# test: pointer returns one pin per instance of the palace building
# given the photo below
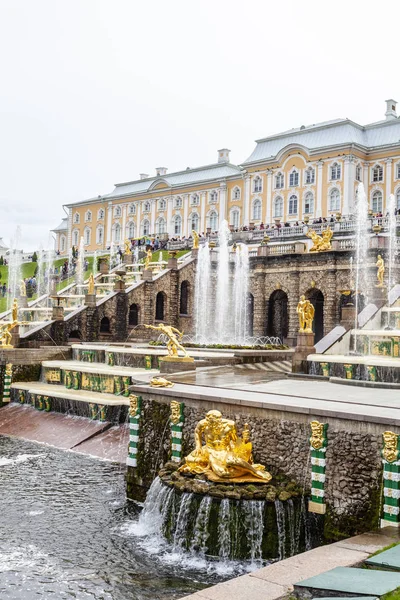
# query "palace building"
(311, 171)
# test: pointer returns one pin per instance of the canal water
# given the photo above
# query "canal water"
(66, 531)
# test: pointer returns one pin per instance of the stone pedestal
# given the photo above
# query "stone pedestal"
(172, 263)
(23, 302)
(195, 252)
(57, 313)
(348, 316)
(128, 259)
(15, 337)
(147, 275)
(174, 364)
(119, 285)
(262, 250)
(53, 284)
(305, 346)
(103, 266)
(90, 300)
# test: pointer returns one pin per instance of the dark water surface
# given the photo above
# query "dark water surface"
(66, 532)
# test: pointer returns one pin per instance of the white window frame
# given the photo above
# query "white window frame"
(162, 204)
(178, 202)
(213, 217)
(146, 206)
(87, 236)
(116, 238)
(397, 166)
(197, 226)
(294, 178)
(309, 176)
(374, 195)
(335, 171)
(278, 203)
(195, 200)
(257, 206)
(75, 237)
(132, 209)
(334, 193)
(77, 218)
(294, 199)
(359, 171)
(100, 214)
(377, 174)
(177, 230)
(213, 197)
(257, 185)
(308, 199)
(397, 196)
(236, 193)
(99, 229)
(279, 179)
(234, 220)
(88, 216)
(145, 230)
(129, 225)
(117, 212)
(63, 243)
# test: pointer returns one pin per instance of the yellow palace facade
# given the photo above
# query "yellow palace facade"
(312, 171)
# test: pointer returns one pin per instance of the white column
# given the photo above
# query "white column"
(109, 222)
(153, 216)
(268, 211)
(246, 206)
(222, 201)
(348, 188)
(138, 219)
(185, 214)
(318, 212)
(388, 181)
(123, 232)
(203, 197)
(169, 216)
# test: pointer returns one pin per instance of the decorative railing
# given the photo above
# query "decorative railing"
(282, 249)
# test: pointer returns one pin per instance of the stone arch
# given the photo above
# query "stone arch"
(184, 298)
(75, 336)
(278, 315)
(316, 297)
(133, 317)
(160, 306)
(105, 325)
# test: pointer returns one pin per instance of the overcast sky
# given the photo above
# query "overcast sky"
(94, 92)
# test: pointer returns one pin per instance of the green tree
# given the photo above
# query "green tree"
(34, 257)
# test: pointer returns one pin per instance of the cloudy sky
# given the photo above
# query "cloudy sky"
(94, 92)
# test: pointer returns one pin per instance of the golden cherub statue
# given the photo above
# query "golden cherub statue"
(7, 327)
(321, 242)
(22, 288)
(160, 382)
(195, 236)
(149, 254)
(390, 450)
(127, 247)
(173, 344)
(380, 263)
(91, 288)
(224, 456)
(306, 312)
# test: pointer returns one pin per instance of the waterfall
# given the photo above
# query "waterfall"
(180, 535)
(14, 267)
(151, 518)
(240, 294)
(281, 526)
(80, 273)
(392, 239)
(222, 304)
(362, 238)
(199, 542)
(202, 290)
(254, 521)
(224, 530)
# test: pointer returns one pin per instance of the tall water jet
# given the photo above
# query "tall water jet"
(80, 266)
(222, 304)
(40, 272)
(202, 291)
(14, 267)
(240, 295)
(362, 239)
(392, 240)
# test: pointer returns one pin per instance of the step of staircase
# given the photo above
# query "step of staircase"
(60, 391)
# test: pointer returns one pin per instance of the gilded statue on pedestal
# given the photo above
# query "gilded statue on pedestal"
(127, 247)
(321, 242)
(390, 450)
(22, 288)
(149, 254)
(380, 263)
(306, 312)
(224, 456)
(173, 344)
(7, 327)
(91, 288)
(195, 236)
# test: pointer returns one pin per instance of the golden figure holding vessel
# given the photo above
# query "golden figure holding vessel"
(147, 260)
(380, 263)
(7, 327)
(306, 312)
(22, 288)
(160, 382)
(321, 242)
(173, 344)
(224, 456)
(127, 247)
(91, 289)
(195, 237)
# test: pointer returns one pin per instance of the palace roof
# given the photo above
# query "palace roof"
(63, 226)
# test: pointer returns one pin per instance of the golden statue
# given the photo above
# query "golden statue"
(175, 407)
(224, 455)
(127, 247)
(306, 312)
(173, 344)
(91, 290)
(8, 326)
(390, 450)
(317, 438)
(14, 311)
(160, 382)
(149, 254)
(133, 405)
(380, 263)
(195, 236)
(22, 288)
(321, 242)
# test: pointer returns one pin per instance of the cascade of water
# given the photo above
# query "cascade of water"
(202, 290)
(40, 272)
(180, 535)
(151, 518)
(14, 267)
(49, 268)
(362, 239)
(392, 239)
(254, 521)
(223, 296)
(80, 265)
(95, 263)
(281, 527)
(224, 529)
(240, 294)
(199, 542)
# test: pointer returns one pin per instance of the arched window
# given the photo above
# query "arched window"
(146, 227)
(88, 216)
(132, 209)
(310, 175)
(293, 205)
(146, 207)
(100, 214)
(308, 203)
(133, 318)
(160, 225)
(358, 173)
(162, 204)
(75, 237)
(398, 171)
(294, 178)
(398, 198)
(336, 171)
(377, 201)
(76, 218)
(195, 200)
(62, 243)
(377, 173)
(177, 223)
(160, 306)
(234, 221)
(279, 181)
(117, 233)
(213, 197)
(87, 235)
(99, 235)
(236, 193)
(117, 211)
(130, 230)
(184, 299)
(257, 210)
(257, 184)
(278, 207)
(213, 220)
(194, 222)
(178, 202)
(334, 200)
(105, 325)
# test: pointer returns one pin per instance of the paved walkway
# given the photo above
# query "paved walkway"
(278, 579)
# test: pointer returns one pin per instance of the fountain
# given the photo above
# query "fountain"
(362, 237)
(14, 267)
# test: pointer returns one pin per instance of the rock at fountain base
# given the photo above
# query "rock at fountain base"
(244, 479)
(174, 364)
(305, 346)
